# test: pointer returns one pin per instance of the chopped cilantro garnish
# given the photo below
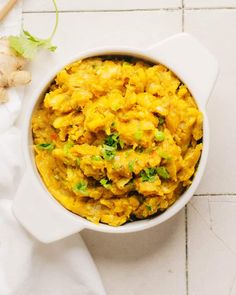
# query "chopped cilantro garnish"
(96, 158)
(81, 187)
(46, 146)
(108, 152)
(162, 172)
(111, 144)
(159, 135)
(148, 207)
(148, 174)
(114, 141)
(105, 182)
(161, 120)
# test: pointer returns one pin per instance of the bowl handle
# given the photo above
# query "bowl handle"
(42, 215)
(190, 61)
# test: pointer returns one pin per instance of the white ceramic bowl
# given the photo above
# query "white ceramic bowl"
(34, 206)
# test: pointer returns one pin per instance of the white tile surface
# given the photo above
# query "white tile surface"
(212, 245)
(71, 5)
(209, 3)
(216, 29)
(150, 262)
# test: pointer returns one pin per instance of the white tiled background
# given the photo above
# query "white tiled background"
(195, 252)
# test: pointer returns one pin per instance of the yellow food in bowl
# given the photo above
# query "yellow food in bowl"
(117, 139)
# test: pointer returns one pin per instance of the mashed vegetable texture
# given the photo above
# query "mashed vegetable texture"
(117, 139)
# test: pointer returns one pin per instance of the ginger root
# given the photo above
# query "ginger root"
(11, 73)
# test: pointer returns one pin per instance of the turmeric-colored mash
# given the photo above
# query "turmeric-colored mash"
(117, 139)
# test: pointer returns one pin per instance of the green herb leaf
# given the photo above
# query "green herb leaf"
(46, 146)
(148, 207)
(162, 172)
(81, 187)
(114, 141)
(27, 45)
(148, 174)
(161, 120)
(96, 158)
(105, 182)
(159, 135)
(108, 152)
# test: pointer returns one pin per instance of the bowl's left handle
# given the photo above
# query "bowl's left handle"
(40, 214)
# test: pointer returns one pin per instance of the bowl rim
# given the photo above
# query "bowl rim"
(138, 225)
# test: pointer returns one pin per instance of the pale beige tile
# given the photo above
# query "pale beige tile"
(149, 262)
(212, 245)
(216, 29)
(209, 3)
(63, 5)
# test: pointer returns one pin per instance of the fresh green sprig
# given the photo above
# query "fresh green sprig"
(27, 45)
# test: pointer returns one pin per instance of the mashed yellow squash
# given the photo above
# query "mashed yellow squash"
(117, 139)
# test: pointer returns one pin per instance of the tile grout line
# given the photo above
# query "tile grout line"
(134, 10)
(105, 10)
(186, 251)
(211, 8)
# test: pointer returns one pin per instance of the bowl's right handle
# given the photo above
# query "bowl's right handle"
(40, 214)
(190, 61)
